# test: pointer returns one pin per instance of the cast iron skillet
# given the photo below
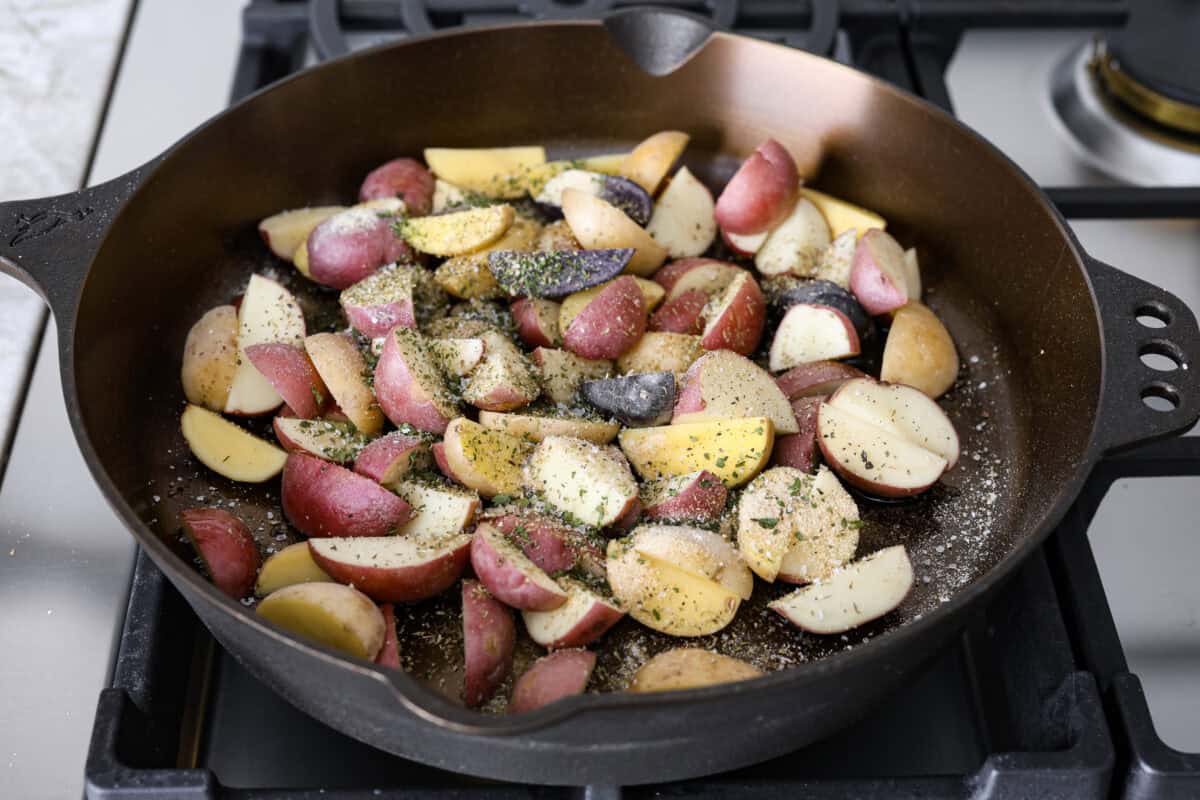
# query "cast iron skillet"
(1052, 378)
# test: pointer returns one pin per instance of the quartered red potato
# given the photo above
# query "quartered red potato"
(581, 391)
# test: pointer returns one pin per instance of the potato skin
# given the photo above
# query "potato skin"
(919, 351)
(699, 497)
(689, 668)
(398, 583)
(761, 193)
(389, 653)
(224, 543)
(290, 370)
(552, 677)
(489, 636)
(497, 564)
(210, 358)
(548, 543)
(800, 450)
(409, 386)
(350, 245)
(738, 321)
(611, 324)
(323, 499)
(405, 178)
(391, 457)
(682, 314)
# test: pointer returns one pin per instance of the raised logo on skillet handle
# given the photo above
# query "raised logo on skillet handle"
(40, 223)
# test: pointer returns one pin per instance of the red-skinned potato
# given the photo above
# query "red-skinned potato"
(409, 385)
(380, 302)
(291, 372)
(509, 575)
(210, 358)
(888, 440)
(737, 320)
(504, 380)
(394, 569)
(724, 385)
(389, 458)
(816, 379)
(683, 314)
(267, 313)
(405, 178)
(322, 499)
(695, 497)
(548, 543)
(226, 547)
(878, 275)
(389, 653)
(350, 245)
(552, 677)
(799, 450)
(583, 619)
(537, 321)
(761, 193)
(707, 275)
(489, 636)
(610, 324)
(810, 333)
(344, 370)
(324, 438)
(745, 246)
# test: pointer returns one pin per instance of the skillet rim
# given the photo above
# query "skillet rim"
(431, 706)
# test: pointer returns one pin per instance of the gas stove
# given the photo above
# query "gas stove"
(1079, 681)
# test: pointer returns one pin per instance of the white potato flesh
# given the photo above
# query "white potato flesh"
(852, 596)
(268, 314)
(683, 220)
(795, 247)
(902, 410)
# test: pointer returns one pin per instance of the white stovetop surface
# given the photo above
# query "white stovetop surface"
(65, 559)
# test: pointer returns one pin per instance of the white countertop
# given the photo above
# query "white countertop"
(65, 559)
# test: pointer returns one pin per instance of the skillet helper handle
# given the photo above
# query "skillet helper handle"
(48, 243)
(1129, 308)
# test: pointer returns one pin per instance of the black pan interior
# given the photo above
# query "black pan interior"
(997, 266)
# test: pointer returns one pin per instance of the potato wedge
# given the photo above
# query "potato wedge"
(291, 565)
(572, 304)
(562, 372)
(342, 367)
(458, 232)
(842, 216)
(286, 231)
(492, 171)
(724, 385)
(658, 351)
(590, 482)
(919, 351)
(536, 427)
(484, 460)
(599, 225)
(228, 450)
(853, 596)
(468, 276)
(653, 158)
(732, 449)
(338, 616)
(210, 358)
(689, 668)
(226, 547)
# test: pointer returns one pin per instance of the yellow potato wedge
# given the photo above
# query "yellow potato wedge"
(732, 449)
(291, 565)
(842, 216)
(494, 171)
(659, 351)
(329, 613)
(228, 450)
(666, 598)
(458, 232)
(300, 259)
(689, 668)
(651, 160)
(210, 358)
(286, 231)
(599, 225)
(536, 427)
(468, 276)
(572, 304)
(919, 351)
(482, 459)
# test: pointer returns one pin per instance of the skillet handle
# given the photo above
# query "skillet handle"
(48, 243)
(1125, 419)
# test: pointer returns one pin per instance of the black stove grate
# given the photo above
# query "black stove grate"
(1035, 700)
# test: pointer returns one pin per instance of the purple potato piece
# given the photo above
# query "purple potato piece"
(620, 192)
(827, 293)
(642, 399)
(629, 197)
(557, 273)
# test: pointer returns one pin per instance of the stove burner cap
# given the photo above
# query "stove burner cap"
(1153, 64)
